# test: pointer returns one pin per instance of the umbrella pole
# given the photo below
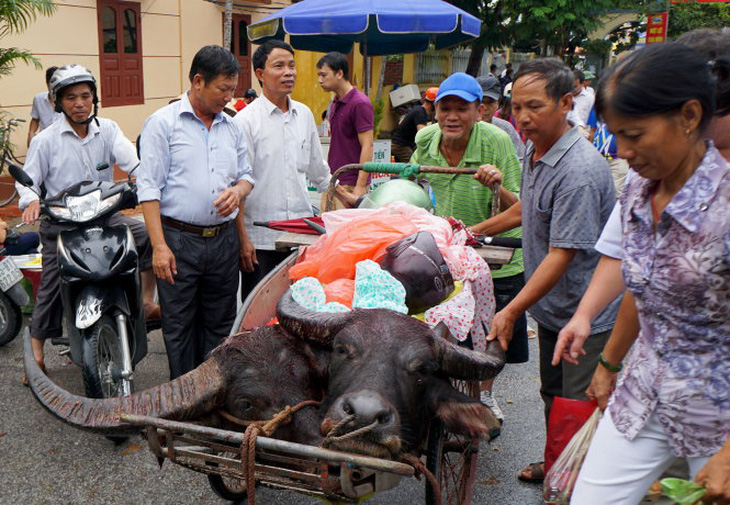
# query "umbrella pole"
(366, 79)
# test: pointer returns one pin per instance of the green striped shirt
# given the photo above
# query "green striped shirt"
(463, 197)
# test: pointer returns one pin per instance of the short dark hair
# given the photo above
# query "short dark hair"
(560, 80)
(714, 45)
(264, 50)
(49, 74)
(658, 79)
(492, 67)
(336, 61)
(579, 75)
(212, 61)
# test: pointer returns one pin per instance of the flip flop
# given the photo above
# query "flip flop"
(536, 471)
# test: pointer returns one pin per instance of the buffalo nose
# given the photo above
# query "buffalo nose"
(368, 407)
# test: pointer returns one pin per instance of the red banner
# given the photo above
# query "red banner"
(656, 27)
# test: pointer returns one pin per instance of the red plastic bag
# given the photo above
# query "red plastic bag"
(335, 255)
(566, 418)
(560, 480)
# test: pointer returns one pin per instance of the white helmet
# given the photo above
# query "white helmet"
(68, 75)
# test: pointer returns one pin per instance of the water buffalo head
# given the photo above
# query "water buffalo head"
(251, 376)
(389, 375)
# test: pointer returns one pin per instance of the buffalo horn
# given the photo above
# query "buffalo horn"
(318, 327)
(465, 364)
(186, 397)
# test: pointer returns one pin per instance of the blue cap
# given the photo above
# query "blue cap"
(462, 85)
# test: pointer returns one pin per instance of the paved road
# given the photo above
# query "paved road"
(43, 461)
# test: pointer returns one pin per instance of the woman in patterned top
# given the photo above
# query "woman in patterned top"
(674, 397)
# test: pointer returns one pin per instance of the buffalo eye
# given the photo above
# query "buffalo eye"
(342, 351)
(244, 405)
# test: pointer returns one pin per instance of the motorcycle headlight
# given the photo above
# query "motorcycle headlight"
(84, 208)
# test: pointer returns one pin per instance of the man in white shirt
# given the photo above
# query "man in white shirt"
(78, 146)
(43, 113)
(582, 101)
(284, 151)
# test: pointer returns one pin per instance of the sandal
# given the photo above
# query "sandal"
(534, 472)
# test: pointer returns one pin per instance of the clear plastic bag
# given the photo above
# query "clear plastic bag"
(560, 479)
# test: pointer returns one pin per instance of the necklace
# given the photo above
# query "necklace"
(452, 158)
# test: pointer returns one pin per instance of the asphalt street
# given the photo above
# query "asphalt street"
(44, 461)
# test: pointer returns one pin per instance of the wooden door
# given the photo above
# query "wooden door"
(241, 47)
(120, 53)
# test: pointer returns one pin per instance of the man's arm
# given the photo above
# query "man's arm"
(366, 155)
(32, 129)
(163, 260)
(231, 198)
(507, 220)
(546, 276)
(318, 171)
(247, 254)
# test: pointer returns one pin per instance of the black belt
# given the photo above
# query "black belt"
(203, 231)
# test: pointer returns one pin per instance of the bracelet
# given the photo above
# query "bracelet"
(608, 366)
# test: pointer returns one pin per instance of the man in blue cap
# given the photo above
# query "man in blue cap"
(460, 139)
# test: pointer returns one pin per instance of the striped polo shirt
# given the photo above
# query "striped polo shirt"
(463, 197)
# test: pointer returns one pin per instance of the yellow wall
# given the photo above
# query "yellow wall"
(307, 90)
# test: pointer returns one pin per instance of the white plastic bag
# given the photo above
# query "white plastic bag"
(560, 479)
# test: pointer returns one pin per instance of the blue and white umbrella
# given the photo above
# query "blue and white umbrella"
(381, 26)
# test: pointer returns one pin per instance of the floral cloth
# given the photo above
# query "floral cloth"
(680, 277)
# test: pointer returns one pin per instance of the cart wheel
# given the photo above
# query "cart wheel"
(452, 458)
(226, 486)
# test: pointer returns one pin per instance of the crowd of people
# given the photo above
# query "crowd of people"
(630, 297)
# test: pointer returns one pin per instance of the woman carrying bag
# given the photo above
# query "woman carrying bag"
(674, 397)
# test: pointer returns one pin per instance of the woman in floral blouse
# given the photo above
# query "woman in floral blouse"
(674, 397)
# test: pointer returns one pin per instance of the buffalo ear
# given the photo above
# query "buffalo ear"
(460, 413)
(317, 327)
(471, 419)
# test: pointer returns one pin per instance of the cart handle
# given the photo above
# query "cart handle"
(402, 169)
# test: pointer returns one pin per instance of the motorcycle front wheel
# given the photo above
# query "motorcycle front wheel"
(102, 361)
(11, 319)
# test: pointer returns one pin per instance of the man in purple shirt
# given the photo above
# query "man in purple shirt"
(351, 122)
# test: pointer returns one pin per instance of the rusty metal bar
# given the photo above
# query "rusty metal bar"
(271, 444)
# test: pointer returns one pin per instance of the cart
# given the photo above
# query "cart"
(233, 461)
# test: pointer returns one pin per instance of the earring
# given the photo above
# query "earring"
(688, 132)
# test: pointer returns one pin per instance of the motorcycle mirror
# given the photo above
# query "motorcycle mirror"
(19, 174)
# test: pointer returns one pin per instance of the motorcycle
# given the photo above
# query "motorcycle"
(13, 295)
(99, 282)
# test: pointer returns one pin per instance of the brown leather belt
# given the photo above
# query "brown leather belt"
(203, 231)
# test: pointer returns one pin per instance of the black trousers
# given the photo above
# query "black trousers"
(199, 309)
(268, 260)
(505, 289)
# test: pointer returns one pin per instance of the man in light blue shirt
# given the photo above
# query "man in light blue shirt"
(193, 179)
